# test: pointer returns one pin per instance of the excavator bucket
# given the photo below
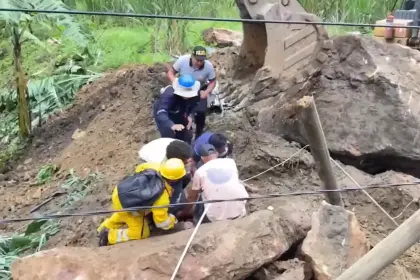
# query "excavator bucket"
(286, 49)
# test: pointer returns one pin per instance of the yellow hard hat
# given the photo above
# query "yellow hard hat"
(173, 169)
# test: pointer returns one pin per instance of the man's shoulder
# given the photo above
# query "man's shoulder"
(219, 163)
(184, 58)
(155, 150)
(148, 165)
(208, 64)
(168, 90)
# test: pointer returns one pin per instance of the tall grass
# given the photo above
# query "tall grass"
(360, 11)
(168, 36)
(171, 35)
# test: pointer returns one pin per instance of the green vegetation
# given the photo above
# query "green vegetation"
(46, 173)
(37, 233)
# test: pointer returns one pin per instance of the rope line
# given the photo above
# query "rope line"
(154, 16)
(277, 165)
(181, 259)
(275, 195)
(406, 207)
(365, 192)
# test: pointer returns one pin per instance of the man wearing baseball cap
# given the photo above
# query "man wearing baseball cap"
(197, 65)
(217, 179)
(174, 110)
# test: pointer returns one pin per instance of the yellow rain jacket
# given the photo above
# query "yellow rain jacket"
(137, 226)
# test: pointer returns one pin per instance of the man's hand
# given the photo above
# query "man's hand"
(204, 94)
(177, 127)
(189, 125)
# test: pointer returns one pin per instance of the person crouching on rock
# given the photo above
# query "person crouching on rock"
(174, 110)
(218, 178)
(150, 186)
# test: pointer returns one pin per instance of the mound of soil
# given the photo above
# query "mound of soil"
(104, 129)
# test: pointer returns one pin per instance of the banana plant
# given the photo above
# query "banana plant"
(17, 26)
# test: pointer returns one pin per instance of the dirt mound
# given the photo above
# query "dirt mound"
(101, 132)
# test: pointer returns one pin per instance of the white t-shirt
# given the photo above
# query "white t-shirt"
(155, 151)
(219, 179)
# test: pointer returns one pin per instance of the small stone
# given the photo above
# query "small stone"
(77, 134)
(37, 194)
(12, 183)
(328, 44)
(103, 107)
(322, 57)
(26, 177)
(20, 168)
(28, 161)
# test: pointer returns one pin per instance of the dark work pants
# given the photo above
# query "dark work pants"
(200, 114)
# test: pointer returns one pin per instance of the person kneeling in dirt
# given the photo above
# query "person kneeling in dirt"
(151, 185)
(159, 150)
(203, 71)
(218, 178)
(223, 147)
(174, 110)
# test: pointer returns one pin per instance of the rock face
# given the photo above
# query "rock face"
(294, 270)
(222, 250)
(367, 98)
(334, 243)
(367, 94)
(222, 37)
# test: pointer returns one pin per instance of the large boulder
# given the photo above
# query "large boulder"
(222, 250)
(221, 37)
(367, 95)
(334, 243)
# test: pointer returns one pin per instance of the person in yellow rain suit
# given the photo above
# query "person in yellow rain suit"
(149, 186)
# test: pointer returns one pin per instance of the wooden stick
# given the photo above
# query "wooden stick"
(319, 149)
(387, 251)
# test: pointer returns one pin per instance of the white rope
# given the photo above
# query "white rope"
(280, 164)
(368, 195)
(405, 208)
(178, 265)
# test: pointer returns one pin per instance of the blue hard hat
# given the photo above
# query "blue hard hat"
(186, 81)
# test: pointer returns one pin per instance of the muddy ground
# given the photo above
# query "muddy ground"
(110, 120)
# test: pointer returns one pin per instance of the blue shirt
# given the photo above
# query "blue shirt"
(172, 109)
(203, 139)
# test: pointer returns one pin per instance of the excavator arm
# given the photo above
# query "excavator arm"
(285, 55)
(282, 47)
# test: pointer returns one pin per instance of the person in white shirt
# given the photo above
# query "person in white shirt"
(217, 178)
(161, 149)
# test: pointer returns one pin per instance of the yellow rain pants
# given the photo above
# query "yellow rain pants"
(137, 226)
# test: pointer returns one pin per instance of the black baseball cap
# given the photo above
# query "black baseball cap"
(206, 150)
(199, 53)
